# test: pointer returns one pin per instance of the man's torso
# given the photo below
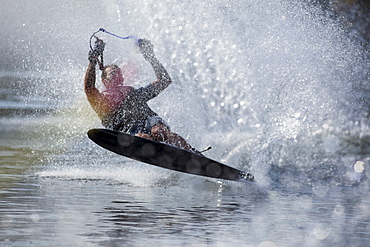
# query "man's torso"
(127, 109)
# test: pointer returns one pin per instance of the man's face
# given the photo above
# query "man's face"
(113, 76)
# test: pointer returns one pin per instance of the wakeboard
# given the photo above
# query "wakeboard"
(164, 155)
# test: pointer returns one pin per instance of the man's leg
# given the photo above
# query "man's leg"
(161, 133)
(143, 135)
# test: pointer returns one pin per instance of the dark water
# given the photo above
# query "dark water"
(277, 89)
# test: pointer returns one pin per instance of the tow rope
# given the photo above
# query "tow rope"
(101, 63)
(115, 35)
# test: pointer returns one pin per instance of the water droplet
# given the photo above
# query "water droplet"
(331, 144)
(339, 209)
(35, 217)
(321, 231)
(267, 244)
(320, 190)
(359, 166)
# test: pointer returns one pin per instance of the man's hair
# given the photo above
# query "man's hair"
(104, 74)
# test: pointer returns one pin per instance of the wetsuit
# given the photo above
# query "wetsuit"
(129, 111)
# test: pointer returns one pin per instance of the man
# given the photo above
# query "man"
(124, 108)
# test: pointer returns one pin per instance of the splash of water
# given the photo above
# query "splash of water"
(279, 80)
(265, 83)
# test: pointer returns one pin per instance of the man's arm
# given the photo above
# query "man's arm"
(163, 78)
(90, 77)
(89, 81)
(93, 95)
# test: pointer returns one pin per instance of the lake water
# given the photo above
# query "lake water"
(277, 89)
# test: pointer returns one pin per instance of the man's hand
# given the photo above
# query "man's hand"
(97, 51)
(93, 58)
(146, 49)
(99, 46)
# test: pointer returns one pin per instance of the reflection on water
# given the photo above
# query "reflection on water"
(12, 166)
(92, 212)
(195, 219)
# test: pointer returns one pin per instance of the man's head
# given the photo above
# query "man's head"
(112, 76)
